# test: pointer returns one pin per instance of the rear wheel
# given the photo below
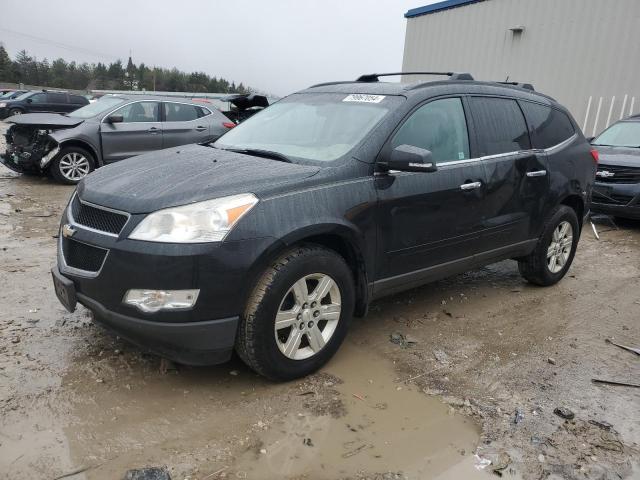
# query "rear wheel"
(71, 165)
(298, 314)
(554, 252)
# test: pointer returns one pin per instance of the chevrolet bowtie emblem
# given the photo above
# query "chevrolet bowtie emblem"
(605, 174)
(68, 231)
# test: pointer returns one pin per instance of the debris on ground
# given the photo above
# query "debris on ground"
(613, 382)
(624, 347)
(518, 416)
(551, 360)
(564, 413)
(404, 341)
(150, 473)
(441, 357)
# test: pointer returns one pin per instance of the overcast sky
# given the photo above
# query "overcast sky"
(277, 46)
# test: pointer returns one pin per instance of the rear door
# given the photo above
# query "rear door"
(58, 102)
(517, 180)
(184, 123)
(430, 219)
(139, 132)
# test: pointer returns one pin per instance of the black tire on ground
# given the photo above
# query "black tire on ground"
(256, 340)
(535, 267)
(55, 166)
(15, 111)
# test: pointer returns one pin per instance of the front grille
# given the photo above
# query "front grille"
(82, 256)
(97, 218)
(612, 199)
(620, 174)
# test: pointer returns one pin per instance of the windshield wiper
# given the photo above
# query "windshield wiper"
(256, 152)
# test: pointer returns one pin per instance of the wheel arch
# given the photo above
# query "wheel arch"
(339, 238)
(81, 144)
(576, 203)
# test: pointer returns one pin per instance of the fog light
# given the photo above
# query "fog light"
(155, 300)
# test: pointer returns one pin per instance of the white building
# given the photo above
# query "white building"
(584, 53)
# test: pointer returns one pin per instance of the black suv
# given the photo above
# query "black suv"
(41, 101)
(270, 239)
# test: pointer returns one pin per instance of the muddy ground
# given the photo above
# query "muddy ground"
(433, 383)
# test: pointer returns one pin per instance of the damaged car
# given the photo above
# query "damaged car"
(69, 147)
(243, 106)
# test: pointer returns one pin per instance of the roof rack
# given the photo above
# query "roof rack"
(374, 77)
(526, 86)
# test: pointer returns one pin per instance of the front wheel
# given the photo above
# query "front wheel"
(71, 165)
(15, 111)
(298, 314)
(554, 252)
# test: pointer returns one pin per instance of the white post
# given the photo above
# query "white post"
(613, 101)
(624, 105)
(595, 124)
(633, 101)
(586, 117)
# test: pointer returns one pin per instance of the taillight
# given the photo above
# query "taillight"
(595, 155)
(228, 124)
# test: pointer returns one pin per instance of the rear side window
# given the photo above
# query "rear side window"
(439, 126)
(549, 126)
(202, 112)
(180, 112)
(57, 98)
(78, 99)
(501, 125)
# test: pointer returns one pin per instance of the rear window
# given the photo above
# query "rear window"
(549, 126)
(500, 124)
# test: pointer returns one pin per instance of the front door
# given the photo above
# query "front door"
(426, 220)
(517, 180)
(139, 132)
(184, 124)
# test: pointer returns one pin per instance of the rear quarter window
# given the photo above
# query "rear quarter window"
(549, 127)
(500, 124)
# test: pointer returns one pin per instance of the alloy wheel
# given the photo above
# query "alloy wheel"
(74, 166)
(560, 247)
(308, 316)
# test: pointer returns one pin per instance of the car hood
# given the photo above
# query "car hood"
(178, 176)
(624, 157)
(44, 120)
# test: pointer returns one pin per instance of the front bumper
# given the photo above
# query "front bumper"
(617, 199)
(204, 334)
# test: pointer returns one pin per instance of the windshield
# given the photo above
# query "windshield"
(96, 108)
(317, 127)
(623, 134)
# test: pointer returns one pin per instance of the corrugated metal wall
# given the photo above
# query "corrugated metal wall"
(585, 53)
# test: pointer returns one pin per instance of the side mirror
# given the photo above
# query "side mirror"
(29, 100)
(115, 119)
(590, 139)
(407, 158)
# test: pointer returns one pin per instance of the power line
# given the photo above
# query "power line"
(64, 46)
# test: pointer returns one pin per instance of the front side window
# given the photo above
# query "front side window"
(500, 124)
(180, 112)
(318, 127)
(550, 126)
(439, 126)
(622, 134)
(139, 112)
(38, 98)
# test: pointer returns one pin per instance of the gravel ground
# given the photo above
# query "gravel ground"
(475, 364)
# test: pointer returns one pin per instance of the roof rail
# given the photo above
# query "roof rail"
(526, 86)
(374, 77)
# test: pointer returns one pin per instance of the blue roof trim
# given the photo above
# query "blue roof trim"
(437, 7)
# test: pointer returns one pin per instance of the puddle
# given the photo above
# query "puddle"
(388, 427)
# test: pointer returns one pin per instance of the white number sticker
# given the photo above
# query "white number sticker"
(361, 97)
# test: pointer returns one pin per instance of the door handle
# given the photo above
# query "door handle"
(470, 186)
(200, 129)
(537, 173)
(154, 130)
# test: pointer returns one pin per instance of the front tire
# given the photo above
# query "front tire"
(15, 111)
(554, 252)
(71, 165)
(298, 314)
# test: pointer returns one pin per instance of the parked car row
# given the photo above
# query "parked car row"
(270, 239)
(39, 101)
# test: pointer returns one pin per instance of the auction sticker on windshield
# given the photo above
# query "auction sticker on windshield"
(359, 97)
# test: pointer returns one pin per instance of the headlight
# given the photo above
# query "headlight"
(2, 104)
(208, 221)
